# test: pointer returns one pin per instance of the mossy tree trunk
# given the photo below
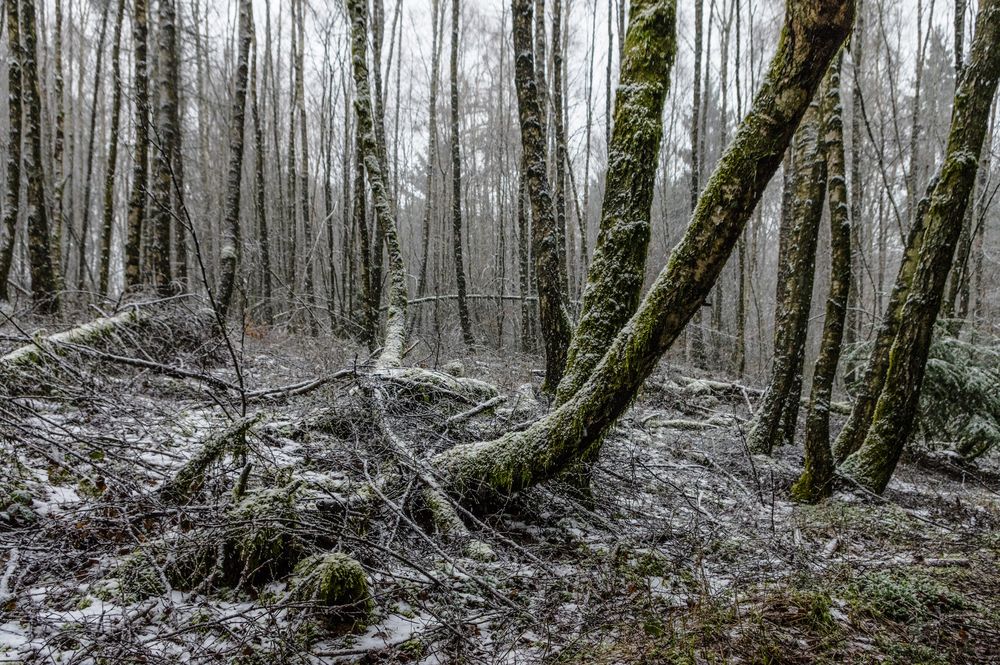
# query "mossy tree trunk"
(814, 483)
(775, 419)
(618, 268)
(555, 321)
(853, 434)
(456, 184)
(44, 291)
(232, 242)
(478, 472)
(140, 169)
(872, 465)
(12, 196)
(260, 204)
(392, 347)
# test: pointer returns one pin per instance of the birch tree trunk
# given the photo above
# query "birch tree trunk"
(478, 472)
(456, 185)
(872, 465)
(108, 207)
(555, 322)
(232, 244)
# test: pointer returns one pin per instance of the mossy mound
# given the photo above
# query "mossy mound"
(335, 582)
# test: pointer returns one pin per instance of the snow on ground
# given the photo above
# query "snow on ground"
(688, 550)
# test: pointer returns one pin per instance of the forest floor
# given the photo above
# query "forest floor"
(689, 551)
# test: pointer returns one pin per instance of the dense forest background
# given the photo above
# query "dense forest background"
(563, 331)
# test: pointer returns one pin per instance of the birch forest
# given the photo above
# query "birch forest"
(499, 331)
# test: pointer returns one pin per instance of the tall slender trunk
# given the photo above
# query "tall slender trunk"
(695, 337)
(815, 482)
(854, 297)
(392, 346)
(232, 244)
(167, 133)
(456, 184)
(108, 207)
(12, 195)
(556, 328)
(140, 170)
(775, 418)
(260, 197)
(309, 282)
(44, 289)
(59, 148)
(432, 147)
(872, 465)
(559, 183)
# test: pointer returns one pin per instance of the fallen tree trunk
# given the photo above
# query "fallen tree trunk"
(478, 472)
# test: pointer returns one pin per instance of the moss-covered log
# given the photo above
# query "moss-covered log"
(811, 35)
(618, 269)
(555, 321)
(872, 465)
(395, 326)
(814, 483)
(30, 355)
(780, 406)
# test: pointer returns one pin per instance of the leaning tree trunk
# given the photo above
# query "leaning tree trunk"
(44, 292)
(854, 431)
(456, 185)
(395, 326)
(618, 269)
(232, 244)
(556, 326)
(140, 170)
(814, 483)
(872, 465)
(781, 399)
(812, 34)
(12, 197)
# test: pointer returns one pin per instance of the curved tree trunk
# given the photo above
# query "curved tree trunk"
(872, 465)
(478, 472)
(814, 483)
(232, 244)
(395, 327)
(618, 269)
(776, 417)
(556, 326)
